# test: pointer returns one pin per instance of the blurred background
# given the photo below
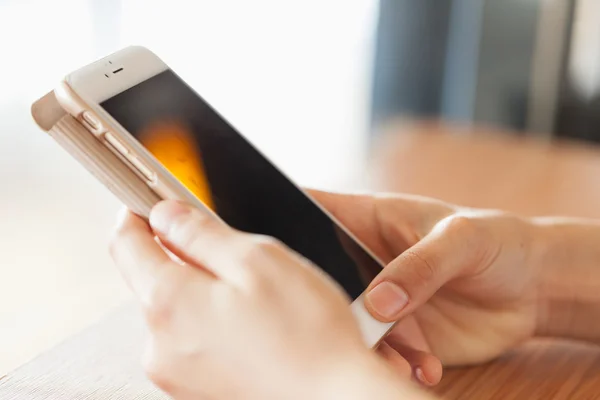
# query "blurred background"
(480, 102)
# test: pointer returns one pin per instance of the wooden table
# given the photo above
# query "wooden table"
(538, 370)
(463, 166)
(489, 169)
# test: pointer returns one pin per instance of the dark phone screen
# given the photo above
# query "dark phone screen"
(231, 177)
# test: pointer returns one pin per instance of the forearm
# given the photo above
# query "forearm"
(569, 289)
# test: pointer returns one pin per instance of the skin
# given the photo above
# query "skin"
(465, 285)
(223, 326)
(448, 266)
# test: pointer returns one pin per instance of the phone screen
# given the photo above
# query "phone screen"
(228, 174)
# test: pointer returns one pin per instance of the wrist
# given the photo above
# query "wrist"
(366, 377)
(544, 249)
(568, 258)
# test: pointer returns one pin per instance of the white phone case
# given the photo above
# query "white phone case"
(134, 192)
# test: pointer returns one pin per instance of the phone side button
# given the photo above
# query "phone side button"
(116, 144)
(142, 168)
(91, 121)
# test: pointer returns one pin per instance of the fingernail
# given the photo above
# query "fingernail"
(165, 214)
(421, 376)
(387, 299)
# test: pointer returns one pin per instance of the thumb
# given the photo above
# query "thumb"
(415, 275)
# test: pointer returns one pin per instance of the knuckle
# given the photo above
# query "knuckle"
(188, 232)
(266, 243)
(470, 231)
(255, 257)
(462, 226)
(423, 268)
(257, 249)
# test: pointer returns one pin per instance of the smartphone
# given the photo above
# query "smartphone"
(165, 132)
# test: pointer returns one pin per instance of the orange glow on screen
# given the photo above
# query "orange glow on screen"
(173, 144)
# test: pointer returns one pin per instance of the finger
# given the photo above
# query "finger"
(408, 331)
(387, 224)
(395, 360)
(200, 239)
(168, 214)
(351, 209)
(408, 340)
(414, 276)
(356, 213)
(426, 368)
(139, 258)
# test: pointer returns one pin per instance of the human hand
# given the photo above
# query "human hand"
(243, 317)
(462, 282)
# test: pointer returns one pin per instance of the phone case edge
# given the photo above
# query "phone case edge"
(82, 145)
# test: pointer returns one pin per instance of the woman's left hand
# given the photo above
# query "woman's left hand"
(243, 317)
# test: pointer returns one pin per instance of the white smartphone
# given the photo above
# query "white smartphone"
(184, 149)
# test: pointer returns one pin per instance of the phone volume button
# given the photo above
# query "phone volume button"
(142, 168)
(116, 144)
(90, 120)
(133, 160)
